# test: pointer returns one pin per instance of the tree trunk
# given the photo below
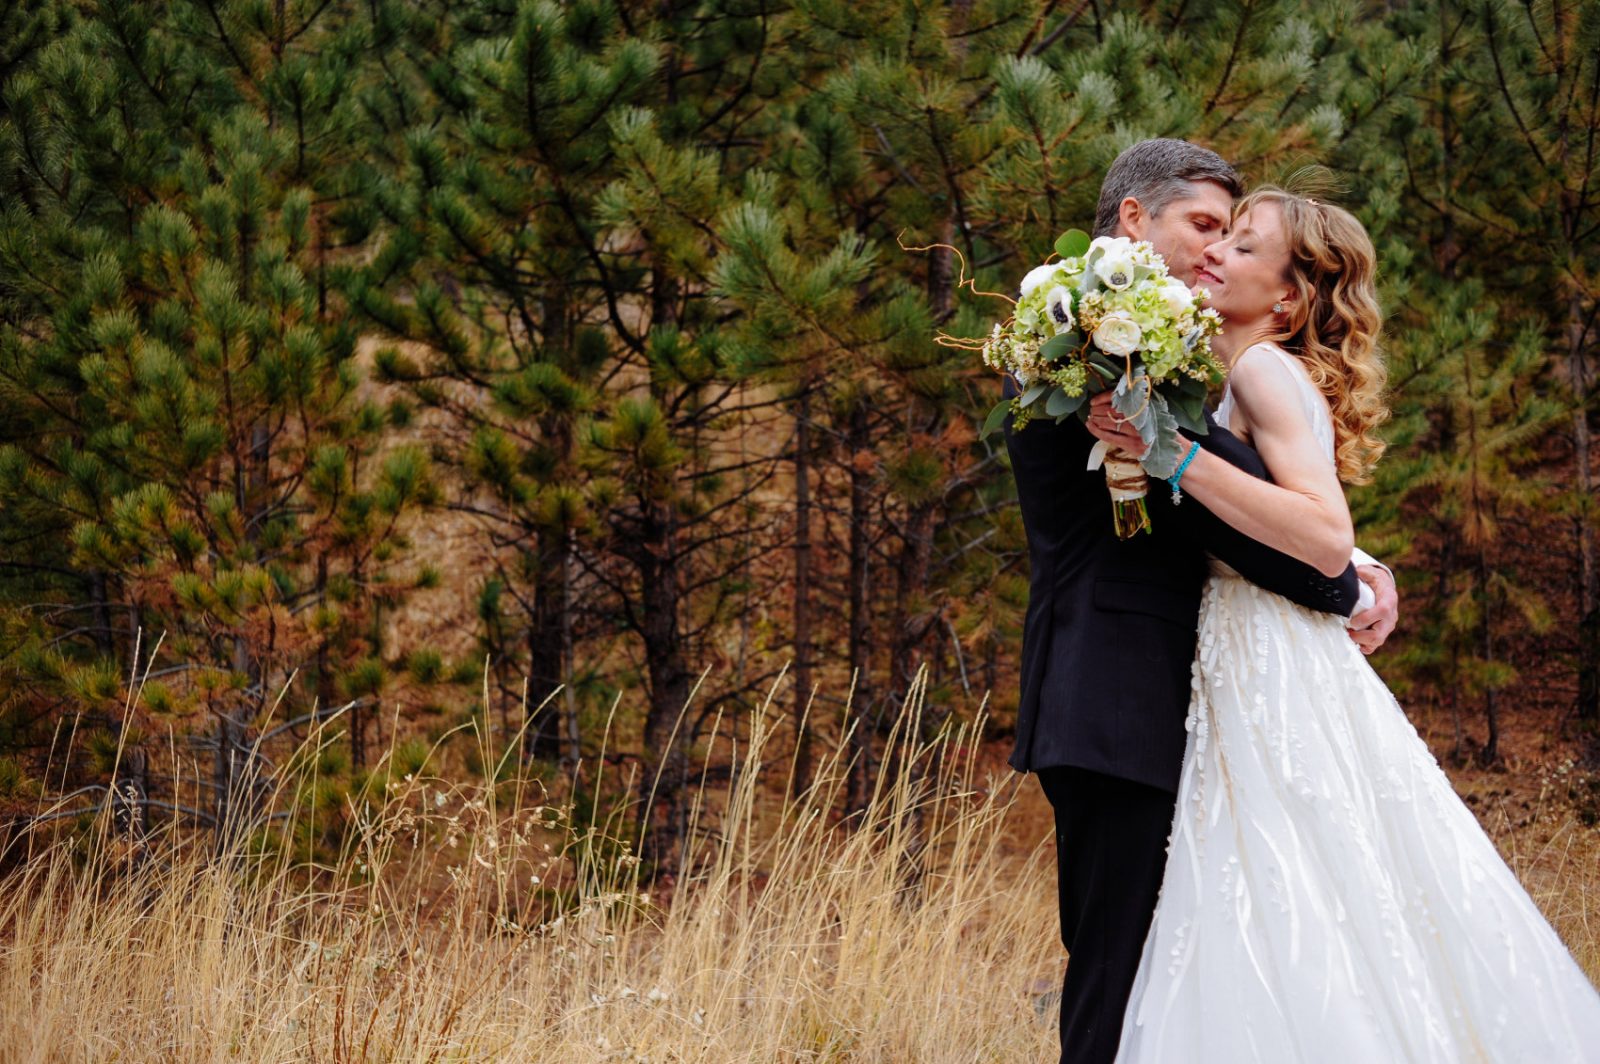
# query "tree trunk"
(232, 770)
(662, 808)
(569, 696)
(911, 577)
(550, 640)
(1491, 701)
(916, 556)
(232, 777)
(358, 735)
(861, 468)
(103, 636)
(1588, 609)
(541, 740)
(326, 693)
(802, 591)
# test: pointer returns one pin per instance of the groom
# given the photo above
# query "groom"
(1111, 626)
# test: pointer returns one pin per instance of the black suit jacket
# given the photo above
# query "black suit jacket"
(1109, 637)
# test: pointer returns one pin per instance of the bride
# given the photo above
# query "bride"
(1327, 897)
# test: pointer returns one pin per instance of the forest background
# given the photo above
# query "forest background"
(435, 369)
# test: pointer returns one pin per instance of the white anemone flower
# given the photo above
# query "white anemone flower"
(1058, 306)
(1115, 269)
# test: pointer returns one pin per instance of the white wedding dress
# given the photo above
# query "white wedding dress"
(1327, 897)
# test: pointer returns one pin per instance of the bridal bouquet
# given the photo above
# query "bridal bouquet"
(1108, 315)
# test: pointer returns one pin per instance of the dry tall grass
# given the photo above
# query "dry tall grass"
(475, 923)
(481, 923)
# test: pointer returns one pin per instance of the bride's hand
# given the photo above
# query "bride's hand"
(1108, 425)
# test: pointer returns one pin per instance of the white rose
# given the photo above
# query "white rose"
(1118, 334)
(1036, 277)
(1058, 306)
(1115, 269)
(1179, 299)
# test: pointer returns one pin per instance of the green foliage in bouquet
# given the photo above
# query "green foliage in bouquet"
(1107, 314)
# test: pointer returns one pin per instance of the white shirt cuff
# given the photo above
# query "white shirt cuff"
(1361, 557)
(1366, 598)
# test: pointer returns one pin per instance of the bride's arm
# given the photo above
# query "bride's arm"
(1302, 512)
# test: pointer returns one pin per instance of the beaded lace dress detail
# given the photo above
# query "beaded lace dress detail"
(1328, 897)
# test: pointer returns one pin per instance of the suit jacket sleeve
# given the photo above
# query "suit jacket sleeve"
(1261, 565)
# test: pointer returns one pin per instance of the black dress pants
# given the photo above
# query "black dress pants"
(1111, 851)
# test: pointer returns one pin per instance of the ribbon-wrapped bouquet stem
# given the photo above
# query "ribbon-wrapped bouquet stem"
(1107, 314)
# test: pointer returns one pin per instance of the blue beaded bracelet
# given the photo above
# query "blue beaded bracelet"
(1177, 496)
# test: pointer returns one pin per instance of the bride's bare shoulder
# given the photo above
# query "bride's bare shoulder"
(1260, 376)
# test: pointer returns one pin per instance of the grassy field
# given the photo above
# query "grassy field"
(483, 923)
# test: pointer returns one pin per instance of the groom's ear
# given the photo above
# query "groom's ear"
(1132, 218)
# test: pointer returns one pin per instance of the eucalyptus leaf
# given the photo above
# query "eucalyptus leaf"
(1190, 414)
(1072, 244)
(1061, 404)
(1104, 368)
(1030, 396)
(1057, 346)
(996, 418)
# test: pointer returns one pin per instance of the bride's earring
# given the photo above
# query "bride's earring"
(1277, 308)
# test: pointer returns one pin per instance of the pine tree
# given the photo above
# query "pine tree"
(1452, 206)
(575, 226)
(493, 269)
(1476, 393)
(1545, 65)
(185, 392)
(635, 275)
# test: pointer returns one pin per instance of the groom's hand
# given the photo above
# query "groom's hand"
(1372, 626)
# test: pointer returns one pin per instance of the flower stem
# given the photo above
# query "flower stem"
(1130, 517)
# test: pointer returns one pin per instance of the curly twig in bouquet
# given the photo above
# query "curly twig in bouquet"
(1106, 314)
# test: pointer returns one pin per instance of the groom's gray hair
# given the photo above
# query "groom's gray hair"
(1156, 172)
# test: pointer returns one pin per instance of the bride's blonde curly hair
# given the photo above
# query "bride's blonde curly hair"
(1333, 323)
